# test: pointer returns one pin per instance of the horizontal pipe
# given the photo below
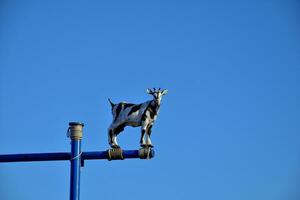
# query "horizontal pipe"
(34, 157)
(93, 155)
(103, 154)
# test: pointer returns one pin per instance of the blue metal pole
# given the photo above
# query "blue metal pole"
(77, 158)
(98, 155)
(75, 131)
(30, 157)
(75, 169)
(90, 155)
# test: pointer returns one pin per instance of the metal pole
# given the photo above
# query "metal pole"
(75, 131)
(77, 157)
(61, 156)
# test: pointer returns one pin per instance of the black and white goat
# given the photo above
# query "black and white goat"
(127, 114)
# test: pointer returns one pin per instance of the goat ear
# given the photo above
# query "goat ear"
(149, 91)
(164, 92)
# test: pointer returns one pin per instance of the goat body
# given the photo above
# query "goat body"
(127, 114)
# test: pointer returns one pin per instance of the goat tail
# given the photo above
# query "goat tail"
(111, 103)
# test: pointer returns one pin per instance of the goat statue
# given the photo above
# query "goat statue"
(127, 114)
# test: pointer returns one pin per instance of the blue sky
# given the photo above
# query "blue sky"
(228, 128)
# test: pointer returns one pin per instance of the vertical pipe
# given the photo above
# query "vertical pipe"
(75, 131)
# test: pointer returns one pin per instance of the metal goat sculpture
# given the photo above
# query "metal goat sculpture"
(127, 114)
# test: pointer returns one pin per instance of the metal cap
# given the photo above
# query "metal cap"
(75, 130)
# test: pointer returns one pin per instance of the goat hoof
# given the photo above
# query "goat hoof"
(115, 146)
(147, 145)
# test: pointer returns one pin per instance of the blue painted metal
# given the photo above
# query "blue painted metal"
(92, 155)
(75, 169)
(76, 157)
(103, 154)
(34, 157)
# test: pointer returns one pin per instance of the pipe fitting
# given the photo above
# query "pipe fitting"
(115, 154)
(75, 130)
(146, 153)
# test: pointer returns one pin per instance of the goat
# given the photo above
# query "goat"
(127, 114)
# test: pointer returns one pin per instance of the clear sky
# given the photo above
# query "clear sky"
(228, 128)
